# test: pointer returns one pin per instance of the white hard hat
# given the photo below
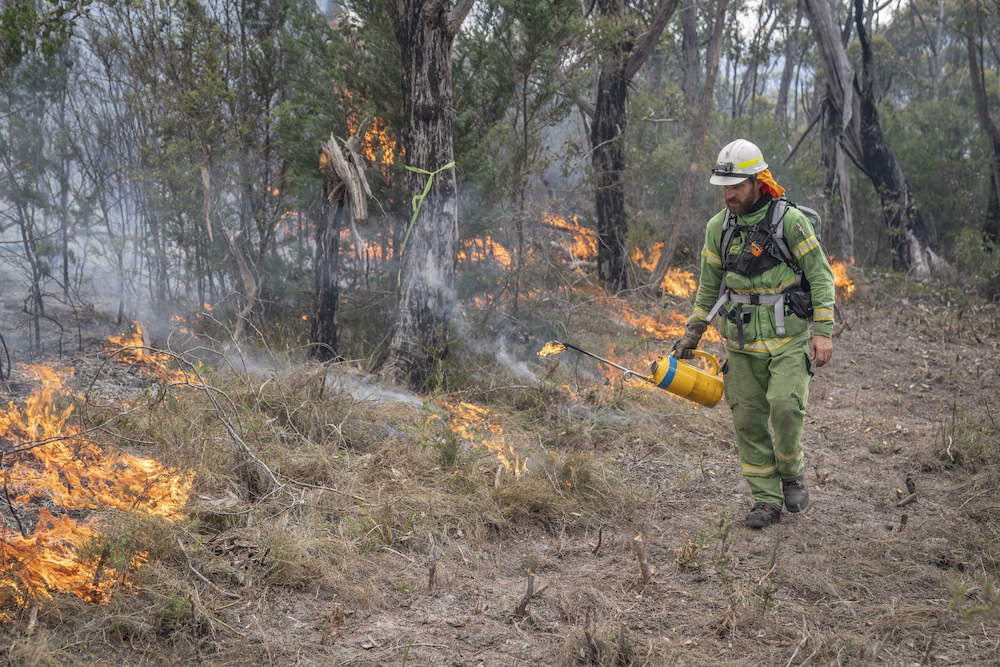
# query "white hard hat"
(738, 161)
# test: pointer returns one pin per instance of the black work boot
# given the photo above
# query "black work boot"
(796, 493)
(763, 515)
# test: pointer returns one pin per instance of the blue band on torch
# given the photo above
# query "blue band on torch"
(669, 377)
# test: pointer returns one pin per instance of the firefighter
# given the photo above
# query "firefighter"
(764, 271)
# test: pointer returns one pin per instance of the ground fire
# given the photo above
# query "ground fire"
(130, 349)
(58, 483)
(479, 426)
(844, 285)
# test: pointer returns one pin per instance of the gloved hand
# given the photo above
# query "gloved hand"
(689, 341)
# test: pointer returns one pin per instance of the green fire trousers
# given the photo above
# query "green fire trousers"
(759, 387)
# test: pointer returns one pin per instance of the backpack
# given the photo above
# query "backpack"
(763, 249)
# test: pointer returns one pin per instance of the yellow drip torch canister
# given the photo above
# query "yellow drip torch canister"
(687, 381)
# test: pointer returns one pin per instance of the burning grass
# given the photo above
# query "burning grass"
(57, 481)
(843, 283)
(132, 349)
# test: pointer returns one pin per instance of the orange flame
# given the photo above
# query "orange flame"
(132, 350)
(471, 422)
(844, 285)
(677, 281)
(476, 249)
(552, 347)
(50, 458)
(584, 247)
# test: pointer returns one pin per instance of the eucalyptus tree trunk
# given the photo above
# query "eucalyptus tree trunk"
(791, 50)
(699, 126)
(836, 182)
(902, 215)
(425, 31)
(606, 135)
(620, 60)
(324, 324)
(861, 136)
(991, 225)
(689, 41)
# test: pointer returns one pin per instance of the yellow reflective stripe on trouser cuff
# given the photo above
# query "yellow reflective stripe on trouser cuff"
(805, 246)
(711, 257)
(758, 471)
(791, 458)
(764, 345)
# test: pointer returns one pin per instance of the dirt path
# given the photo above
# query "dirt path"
(843, 583)
(839, 584)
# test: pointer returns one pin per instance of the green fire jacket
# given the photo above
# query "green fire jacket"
(759, 334)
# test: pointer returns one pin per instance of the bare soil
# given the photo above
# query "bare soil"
(854, 579)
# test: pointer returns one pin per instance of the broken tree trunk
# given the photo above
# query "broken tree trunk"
(699, 126)
(343, 181)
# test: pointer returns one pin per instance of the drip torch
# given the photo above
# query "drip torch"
(668, 373)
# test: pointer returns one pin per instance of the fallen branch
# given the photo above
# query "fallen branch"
(907, 500)
(213, 585)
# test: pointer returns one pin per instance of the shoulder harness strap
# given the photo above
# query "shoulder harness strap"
(776, 213)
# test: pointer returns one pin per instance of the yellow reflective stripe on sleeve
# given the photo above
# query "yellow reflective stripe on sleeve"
(805, 246)
(701, 314)
(758, 471)
(770, 346)
(790, 458)
(821, 314)
(711, 257)
(749, 163)
(778, 289)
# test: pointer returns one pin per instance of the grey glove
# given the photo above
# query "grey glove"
(689, 341)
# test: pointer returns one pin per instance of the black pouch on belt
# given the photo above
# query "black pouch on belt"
(800, 303)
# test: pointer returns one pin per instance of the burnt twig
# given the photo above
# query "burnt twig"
(522, 608)
(639, 544)
(10, 504)
(907, 500)
(600, 537)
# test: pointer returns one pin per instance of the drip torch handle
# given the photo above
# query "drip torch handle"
(711, 359)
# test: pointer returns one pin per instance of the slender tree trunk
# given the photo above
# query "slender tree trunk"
(991, 225)
(607, 135)
(791, 51)
(862, 135)
(425, 31)
(620, 61)
(324, 324)
(692, 63)
(698, 129)
(836, 182)
(910, 240)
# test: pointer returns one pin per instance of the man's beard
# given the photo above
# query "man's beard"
(742, 206)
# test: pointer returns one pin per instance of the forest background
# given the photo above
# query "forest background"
(152, 149)
(304, 256)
